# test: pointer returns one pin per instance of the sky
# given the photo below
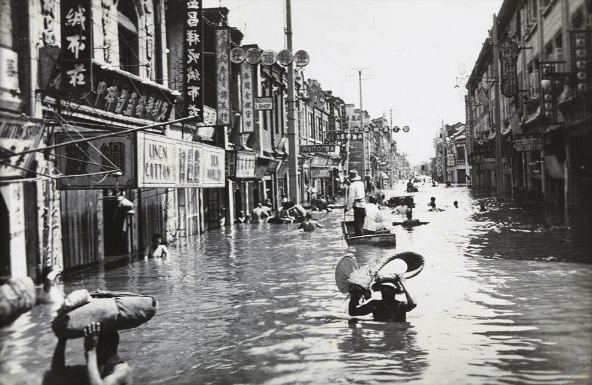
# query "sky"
(412, 52)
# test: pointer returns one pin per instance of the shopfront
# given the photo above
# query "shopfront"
(119, 190)
(240, 170)
(26, 197)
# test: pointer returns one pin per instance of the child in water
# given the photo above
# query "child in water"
(156, 248)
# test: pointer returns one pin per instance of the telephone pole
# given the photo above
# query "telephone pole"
(294, 187)
(498, 130)
(364, 140)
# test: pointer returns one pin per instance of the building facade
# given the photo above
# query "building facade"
(543, 92)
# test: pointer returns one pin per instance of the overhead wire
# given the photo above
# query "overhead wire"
(67, 124)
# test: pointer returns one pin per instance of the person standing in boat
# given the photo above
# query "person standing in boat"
(388, 308)
(355, 199)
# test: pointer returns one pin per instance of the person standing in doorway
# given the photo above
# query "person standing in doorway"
(355, 200)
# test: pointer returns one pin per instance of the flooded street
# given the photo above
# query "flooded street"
(498, 303)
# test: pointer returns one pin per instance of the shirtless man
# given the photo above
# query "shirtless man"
(308, 224)
(103, 364)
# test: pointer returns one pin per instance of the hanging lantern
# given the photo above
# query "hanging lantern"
(237, 55)
(253, 55)
(301, 58)
(285, 57)
(268, 57)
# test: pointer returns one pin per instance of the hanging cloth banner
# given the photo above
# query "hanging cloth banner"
(193, 59)
(222, 41)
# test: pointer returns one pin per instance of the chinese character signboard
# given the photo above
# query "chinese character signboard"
(528, 144)
(9, 80)
(92, 164)
(240, 165)
(128, 96)
(450, 160)
(18, 134)
(509, 54)
(76, 55)
(247, 94)
(200, 165)
(223, 75)
(193, 57)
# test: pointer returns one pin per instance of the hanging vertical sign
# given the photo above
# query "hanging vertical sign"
(247, 96)
(509, 51)
(223, 75)
(76, 53)
(193, 59)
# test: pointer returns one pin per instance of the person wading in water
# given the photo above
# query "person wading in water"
(388, 308)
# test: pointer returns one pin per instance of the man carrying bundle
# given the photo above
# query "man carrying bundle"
(103, 364)
(388, 308)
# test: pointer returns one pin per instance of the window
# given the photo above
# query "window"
(531, 11)
(127, 27)
(577, 19)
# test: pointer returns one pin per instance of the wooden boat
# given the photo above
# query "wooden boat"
(406, 200)
(381, 238)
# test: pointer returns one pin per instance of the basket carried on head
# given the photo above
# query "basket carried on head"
(376, 271)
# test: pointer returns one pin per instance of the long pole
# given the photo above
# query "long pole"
(292, 134)
(498, 128)
(364, 138)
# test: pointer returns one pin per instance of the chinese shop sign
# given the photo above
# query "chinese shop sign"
(127, 95)
(92, 164)
(223, 75)
(509, 51)
(247, 94)
(76, 19)
(193, 57)
(200, 165)
(240, 165)
(167, 162)
(18, 134)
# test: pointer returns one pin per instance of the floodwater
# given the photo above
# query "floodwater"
(499, 302)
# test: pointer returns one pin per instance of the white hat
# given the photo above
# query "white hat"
(353, 175)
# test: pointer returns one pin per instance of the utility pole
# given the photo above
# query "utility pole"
(364, 140)
(292, 134)
(498, 128)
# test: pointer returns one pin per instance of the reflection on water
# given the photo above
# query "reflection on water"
(498, 303)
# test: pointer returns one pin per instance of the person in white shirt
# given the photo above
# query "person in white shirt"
(373, 221)
(356, 199)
